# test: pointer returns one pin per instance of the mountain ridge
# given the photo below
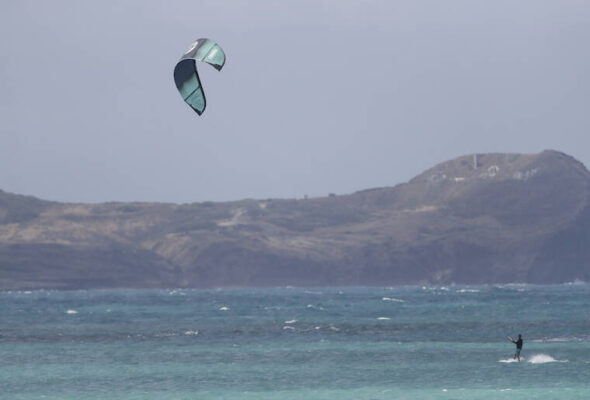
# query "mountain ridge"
(484, 218)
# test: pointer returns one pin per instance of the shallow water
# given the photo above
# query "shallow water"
(295, 343)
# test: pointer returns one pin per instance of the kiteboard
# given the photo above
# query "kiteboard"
(511, 360)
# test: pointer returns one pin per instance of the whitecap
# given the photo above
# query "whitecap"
(223, 308)
(191, 333)
(288, 328)
(71, 312)
(161, 335)
(559, 339)
(393, 299)
(576, 282)
(291, 321)
(468, 291)
(519, 287)
(383, 318)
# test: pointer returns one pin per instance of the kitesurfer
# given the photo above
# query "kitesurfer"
(518, 344)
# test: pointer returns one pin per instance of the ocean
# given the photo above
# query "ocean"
(413, 342)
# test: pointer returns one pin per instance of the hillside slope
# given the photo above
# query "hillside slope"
(488, 218)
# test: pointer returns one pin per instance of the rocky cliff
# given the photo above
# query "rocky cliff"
(486, 218)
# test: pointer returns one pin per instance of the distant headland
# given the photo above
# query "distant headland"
(476, 219)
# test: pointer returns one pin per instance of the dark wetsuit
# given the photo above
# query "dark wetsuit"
(518, 346)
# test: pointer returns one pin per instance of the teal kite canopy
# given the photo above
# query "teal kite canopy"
(186, 76)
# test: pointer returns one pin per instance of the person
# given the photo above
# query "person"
(518, 344)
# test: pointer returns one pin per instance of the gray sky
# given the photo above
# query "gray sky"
(316, 97)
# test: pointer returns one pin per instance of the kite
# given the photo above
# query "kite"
(186, 76)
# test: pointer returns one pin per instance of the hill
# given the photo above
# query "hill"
(486, 218)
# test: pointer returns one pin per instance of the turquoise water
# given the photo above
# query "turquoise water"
(295, 343)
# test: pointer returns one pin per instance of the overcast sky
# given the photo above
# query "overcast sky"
(316, 97)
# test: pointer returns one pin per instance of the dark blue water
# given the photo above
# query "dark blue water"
(294, 343)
